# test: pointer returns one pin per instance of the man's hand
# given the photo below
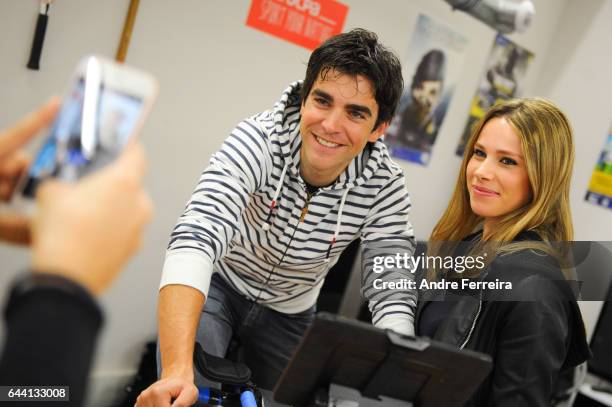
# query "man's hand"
(86, 231)
(172, 391)
(15, 228)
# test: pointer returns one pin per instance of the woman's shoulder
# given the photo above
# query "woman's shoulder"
(529, 261)
(534, 274)
(530, 256)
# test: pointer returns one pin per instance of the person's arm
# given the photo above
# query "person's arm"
(51, 328)
(201, 237)
(388, 232)
(531, 346)
(212, 216)
(179, 311)
(82, 234)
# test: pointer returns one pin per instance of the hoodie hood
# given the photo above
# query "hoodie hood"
(286, 128)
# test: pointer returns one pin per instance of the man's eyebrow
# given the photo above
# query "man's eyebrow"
(359, 108)
(322, 94)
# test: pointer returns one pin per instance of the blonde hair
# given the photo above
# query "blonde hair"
(547, 146)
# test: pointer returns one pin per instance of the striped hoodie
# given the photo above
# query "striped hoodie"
(251, 219)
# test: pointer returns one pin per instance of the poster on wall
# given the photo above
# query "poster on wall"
(434, 62)
(306, 23)
(600, 186)
(502, 79)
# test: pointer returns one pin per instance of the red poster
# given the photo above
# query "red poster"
(304, 22)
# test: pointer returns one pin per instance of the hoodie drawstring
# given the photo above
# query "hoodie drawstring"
(266, 225)
(338, 223)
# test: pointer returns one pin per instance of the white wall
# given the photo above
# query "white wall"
(214, 71)
(577, 77)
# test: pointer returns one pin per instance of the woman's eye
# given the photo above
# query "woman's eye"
(479, 153)
(508, 161)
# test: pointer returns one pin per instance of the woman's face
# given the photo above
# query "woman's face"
(497, 179)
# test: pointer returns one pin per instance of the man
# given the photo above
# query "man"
(81, 235)
(286, 193)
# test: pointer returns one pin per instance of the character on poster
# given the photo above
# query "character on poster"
(435, 56)
(600, 186)
(418, 125)
(502, 80)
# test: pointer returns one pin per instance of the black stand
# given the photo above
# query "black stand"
(342, 362)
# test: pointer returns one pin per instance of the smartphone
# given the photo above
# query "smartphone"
(106, 105)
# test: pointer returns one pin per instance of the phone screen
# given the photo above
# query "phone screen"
(68, 153)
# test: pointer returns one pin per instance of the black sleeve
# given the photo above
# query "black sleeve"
(531, 348)
(51, 329)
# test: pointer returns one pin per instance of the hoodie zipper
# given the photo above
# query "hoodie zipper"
(309, 196)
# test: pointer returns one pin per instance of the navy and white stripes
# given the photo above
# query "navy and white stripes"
(223, 226)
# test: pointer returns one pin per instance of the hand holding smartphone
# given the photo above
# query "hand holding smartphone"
(106, 105)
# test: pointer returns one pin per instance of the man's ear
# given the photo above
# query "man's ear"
(303, 104)
(379, 131)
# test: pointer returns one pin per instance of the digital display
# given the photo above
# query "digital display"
(68, 153)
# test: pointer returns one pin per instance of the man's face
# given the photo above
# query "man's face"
(427, 94)
(337, 121)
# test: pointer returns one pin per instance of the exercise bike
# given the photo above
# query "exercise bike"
(237, 389)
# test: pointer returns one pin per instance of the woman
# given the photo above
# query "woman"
(513, 188)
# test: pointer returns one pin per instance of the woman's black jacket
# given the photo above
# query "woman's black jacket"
(532, 332)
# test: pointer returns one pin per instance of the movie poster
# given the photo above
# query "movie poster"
(502, 79)
(433, 65)
(600, 186)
